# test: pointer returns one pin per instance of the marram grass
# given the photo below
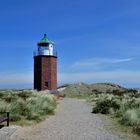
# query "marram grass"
(127, 109)
(27, 104)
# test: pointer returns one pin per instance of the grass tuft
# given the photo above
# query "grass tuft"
(27, 104)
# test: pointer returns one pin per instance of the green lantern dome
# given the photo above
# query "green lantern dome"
(44, 41)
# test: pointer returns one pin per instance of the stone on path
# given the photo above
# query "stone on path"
(6, 132)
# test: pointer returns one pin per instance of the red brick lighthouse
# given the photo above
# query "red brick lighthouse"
(45, 66)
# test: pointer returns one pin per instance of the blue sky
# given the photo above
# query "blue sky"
(96, 40)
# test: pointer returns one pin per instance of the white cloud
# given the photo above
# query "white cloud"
(100, 61)
(16, 78)
(117, 76)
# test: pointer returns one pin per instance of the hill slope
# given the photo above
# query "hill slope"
(83, 88)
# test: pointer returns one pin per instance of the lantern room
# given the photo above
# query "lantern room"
(45, 47)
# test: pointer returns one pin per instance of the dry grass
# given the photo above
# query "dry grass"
(27, 105)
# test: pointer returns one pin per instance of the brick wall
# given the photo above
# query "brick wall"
(45, 72)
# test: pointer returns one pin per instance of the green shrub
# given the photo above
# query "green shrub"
(124, 107)
(106, 104)
(131, 117)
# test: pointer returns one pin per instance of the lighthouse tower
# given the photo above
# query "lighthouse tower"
(45, 66)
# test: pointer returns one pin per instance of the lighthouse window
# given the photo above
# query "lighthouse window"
(46, 84)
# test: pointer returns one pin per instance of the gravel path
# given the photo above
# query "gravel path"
(72, 121)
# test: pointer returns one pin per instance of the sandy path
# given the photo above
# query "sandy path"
(72, 121)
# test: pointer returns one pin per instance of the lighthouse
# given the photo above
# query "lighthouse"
(45, 66)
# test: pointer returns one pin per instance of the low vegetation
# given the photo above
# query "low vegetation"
(80, 89)
(27, 105)
(126, 108)
(114, 100)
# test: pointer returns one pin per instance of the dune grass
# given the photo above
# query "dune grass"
(27, 105)
(127, 109)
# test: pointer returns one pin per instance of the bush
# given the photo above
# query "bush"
(124, 107)
(131, 117)
(105, 105)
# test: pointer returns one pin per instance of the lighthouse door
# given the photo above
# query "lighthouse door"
(47, 84)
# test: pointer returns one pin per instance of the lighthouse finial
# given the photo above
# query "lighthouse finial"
(45, 35)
